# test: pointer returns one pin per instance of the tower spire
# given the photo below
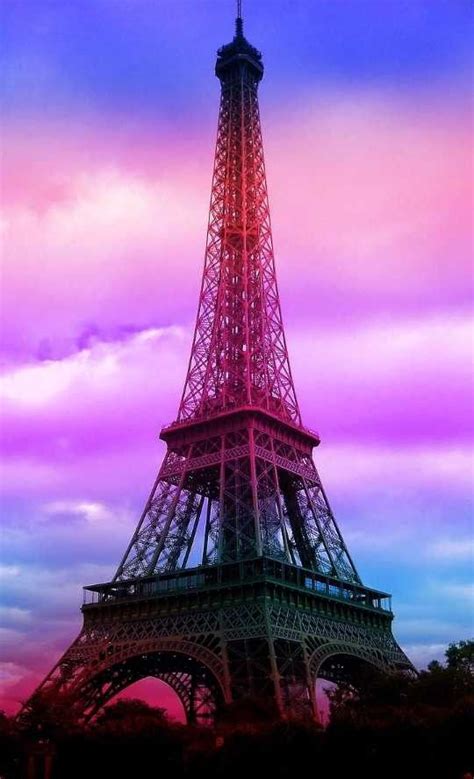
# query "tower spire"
(239, 22)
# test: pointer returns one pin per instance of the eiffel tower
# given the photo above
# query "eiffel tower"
(237, 581)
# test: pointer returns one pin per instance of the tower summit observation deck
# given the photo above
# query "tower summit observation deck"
(239, 52)
(237, 580)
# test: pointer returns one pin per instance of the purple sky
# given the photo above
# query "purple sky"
(110, 116)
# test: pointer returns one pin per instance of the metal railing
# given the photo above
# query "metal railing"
(236, 574)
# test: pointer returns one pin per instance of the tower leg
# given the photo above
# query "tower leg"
(192, 701)
(276, 678)
(311, 684)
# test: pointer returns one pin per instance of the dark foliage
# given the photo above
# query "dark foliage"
(396, 727)
(461, 656)
(249, 711)
(411, 725)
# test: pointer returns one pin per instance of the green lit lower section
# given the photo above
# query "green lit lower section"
(245, 572)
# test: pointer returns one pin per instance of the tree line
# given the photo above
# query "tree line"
(395, 726)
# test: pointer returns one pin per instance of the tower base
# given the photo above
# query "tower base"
(258, 628)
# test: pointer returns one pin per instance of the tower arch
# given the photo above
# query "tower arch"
(321, 657)
(193, 678)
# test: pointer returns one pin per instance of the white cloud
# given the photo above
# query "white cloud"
(384, 468)
(94, 513)
(15, 615)
(422, 654)
(458, 592)
(10, 636)
(105, 253)
(101, 366)
(10, 673)
(106, 208)
(451, 549)
(9, 571)
(61, 593)
(410, 629)
(385, 347)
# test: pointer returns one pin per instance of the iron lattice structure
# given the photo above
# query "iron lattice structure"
(237, 580)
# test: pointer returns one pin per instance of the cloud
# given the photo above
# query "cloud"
(86, 258)
(12, 615)
(116, 235)
(10, 636)
(9, 571)
(432, 610)
(66, 533)
(94, 399)
(46, 617)
(95, 514)
(383, 381)
(374, 468)
(432, 629)
(422, 654)
(462, 593)
(58, 586)
(38, 385)
(116, 391)
(451, 549)
(10, 673)
(379, 204)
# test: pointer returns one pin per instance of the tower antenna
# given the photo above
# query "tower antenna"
(239, 22)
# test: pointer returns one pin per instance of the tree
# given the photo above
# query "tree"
(409, 725)
(48, 715)
(126, 739)
(251, 711)
(9, 746)
(130, 714)
(460, 656)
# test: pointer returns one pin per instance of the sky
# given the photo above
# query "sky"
(109, 123)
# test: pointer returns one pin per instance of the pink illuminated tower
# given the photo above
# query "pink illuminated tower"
(237, 581)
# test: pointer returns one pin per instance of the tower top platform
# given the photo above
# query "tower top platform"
(231, 56)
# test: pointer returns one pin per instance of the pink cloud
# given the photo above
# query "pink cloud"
(372, 383)
(387, 380)
(108, 229)
(379, 206)
(81, 431)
